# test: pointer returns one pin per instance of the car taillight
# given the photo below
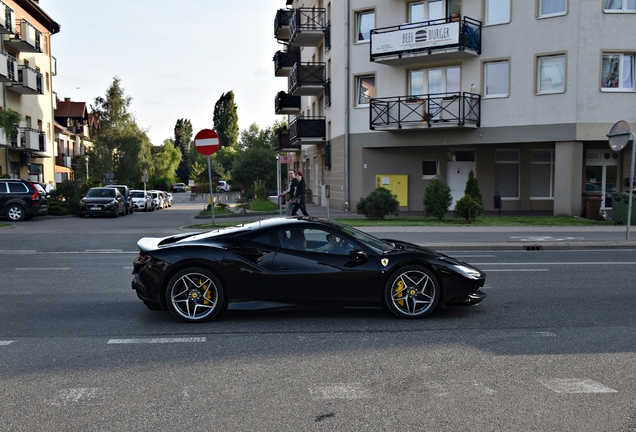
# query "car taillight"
(36, 194)
(144, 256)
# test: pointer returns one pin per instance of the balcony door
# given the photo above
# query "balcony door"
(426, 10)
(434, 84)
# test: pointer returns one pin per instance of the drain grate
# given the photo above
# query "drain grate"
(533, 247)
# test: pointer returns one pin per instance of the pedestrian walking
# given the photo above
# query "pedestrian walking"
(289, 193)
(299, 195)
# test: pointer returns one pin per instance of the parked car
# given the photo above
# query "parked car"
(102, 201)
(157, 199)
(142, 201)
(223, 186)
(196, 275)
(179, 187)
(21, 200)
(125, 192)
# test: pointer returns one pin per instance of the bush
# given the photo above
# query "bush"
(57, 207)
(437, 198)
(468, 208)
(260, 190)
(472, 190)
(68, 194)
(378, 204)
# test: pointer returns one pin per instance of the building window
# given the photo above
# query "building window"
(507, 173)
(365, 22)
(548, 8)
(542, 174)
(430, 168)
(497, 11)
(365, 90)
(551, 74)
(620, 5)
(496, 79)
(618, 72)
(426, 10)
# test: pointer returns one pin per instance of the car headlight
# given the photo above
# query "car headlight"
(111, 203)
(468, 272)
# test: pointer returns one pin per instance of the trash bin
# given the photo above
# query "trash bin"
(593, 206)
(620, 207)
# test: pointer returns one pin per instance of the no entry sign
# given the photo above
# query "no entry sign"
(207, 142)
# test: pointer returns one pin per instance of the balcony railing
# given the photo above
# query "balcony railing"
(30, 138)
(286, 104)
(8, 67)
(283, 145)
(29, 81)
(284, 62)
(7, 19)
(281, 24)
(27, 38)
(307, 79)
(308, 27)
(438, 110)
(451, 36)
(307, 130)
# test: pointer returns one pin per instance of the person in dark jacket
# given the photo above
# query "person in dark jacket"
(299, 194)
(289, 193)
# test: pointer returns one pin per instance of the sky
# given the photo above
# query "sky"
(174, 59)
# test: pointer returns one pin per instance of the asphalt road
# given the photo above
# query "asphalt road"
(550, 349)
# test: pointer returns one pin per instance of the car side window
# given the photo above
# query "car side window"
(315, 240)
(17, 187)
(3, 187)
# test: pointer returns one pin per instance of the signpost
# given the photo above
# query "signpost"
(207, 142)
(618, 139)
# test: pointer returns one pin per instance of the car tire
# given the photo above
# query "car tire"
(15, 212)
(116, 212)
(195, 295)
(412, 292)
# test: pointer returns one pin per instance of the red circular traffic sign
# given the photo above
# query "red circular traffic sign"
(207, 142)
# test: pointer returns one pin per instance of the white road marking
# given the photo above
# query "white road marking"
(545, 238)
(156, 340)
(11, 252)
(340, 391)
(512, 270)
(575, 385)
(5, 343)
(102, 250)
(82, 395)
(43, 268)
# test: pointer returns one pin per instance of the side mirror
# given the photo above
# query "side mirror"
(358, 255)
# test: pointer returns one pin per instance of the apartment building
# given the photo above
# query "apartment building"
(72, 123)
(26, 70)
(390, 93)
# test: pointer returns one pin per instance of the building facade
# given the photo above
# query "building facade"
(26, 71)
(72, 137)
(390, 93)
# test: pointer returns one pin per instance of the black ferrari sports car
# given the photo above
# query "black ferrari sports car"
(297, 260)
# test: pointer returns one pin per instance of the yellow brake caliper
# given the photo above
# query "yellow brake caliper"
(399, 287)
(207, 295)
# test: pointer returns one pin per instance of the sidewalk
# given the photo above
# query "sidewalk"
(481, 237)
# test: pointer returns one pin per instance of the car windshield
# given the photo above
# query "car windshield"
(374, 243)
(100, 193)
(137, 194)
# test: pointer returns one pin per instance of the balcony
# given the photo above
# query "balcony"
(440, 110)
(286, 104)
(284, 62)
(308, 28)
(30, 139)
(26, 40)
(29, 81)
(282, 143)
(8, 67)
(7, 22)
(307, 130)
(450, 37)
(281, 24)
(307, 79)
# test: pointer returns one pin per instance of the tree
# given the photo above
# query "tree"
(183, 141)
(225, 119)
(257, 163)
(167, 160)
(437, 198)
(120, 143)
(472, 190)
(256, 137)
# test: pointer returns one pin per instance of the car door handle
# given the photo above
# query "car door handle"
(284, 269)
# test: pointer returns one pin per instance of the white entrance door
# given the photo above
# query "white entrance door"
(457, 178)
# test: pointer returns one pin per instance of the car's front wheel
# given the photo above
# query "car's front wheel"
(195, 295)
(15, 212)
(412, 292)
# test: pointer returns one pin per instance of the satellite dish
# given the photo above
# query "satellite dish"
(619, 135)
(53, 27)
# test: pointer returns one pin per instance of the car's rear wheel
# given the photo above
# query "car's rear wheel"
(412, 292)
(195, 295)
(15, 212)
